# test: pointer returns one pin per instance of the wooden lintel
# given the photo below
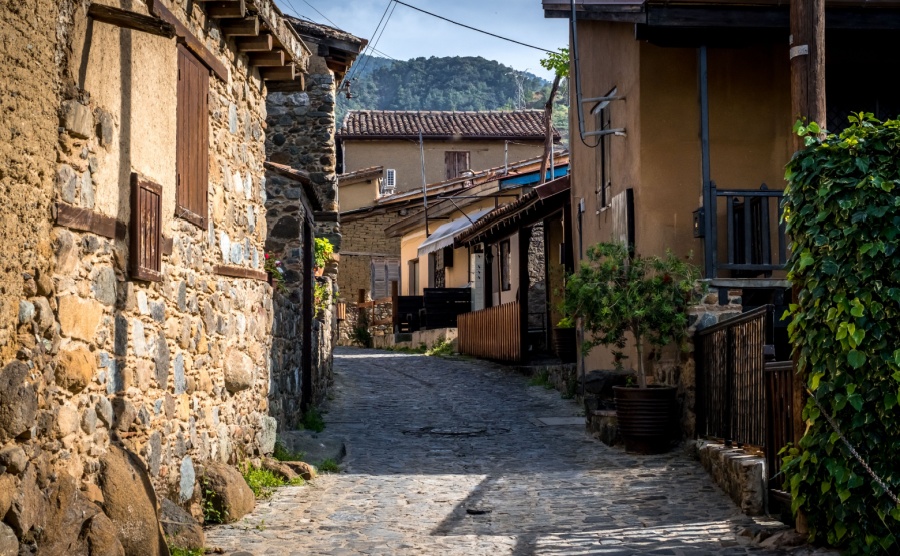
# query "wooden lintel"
(222, 10)
(262, 43)
(267, 59)
(335, 65)
(284, 73)
(240, 272)
(247, 27)
(85, 220)
(191, 41)
(131, 20)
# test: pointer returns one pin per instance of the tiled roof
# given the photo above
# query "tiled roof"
(360, 175)
(516, 124)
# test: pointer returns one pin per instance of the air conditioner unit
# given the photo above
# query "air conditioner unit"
(389, 186)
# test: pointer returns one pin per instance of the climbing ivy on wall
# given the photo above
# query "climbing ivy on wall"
(843, 215)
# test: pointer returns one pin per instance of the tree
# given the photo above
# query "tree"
(558, 63)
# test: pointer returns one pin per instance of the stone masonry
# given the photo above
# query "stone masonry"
(176, 372)
(363, 239)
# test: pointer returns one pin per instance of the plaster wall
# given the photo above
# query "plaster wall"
(359, 194)
(404, 157)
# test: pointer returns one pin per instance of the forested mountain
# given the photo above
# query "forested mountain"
(451, 83)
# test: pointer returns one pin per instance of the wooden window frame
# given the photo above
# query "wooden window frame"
(505, 265)
(145, 257)
(413, 277)
(452, 163)
(604, 156)
(192, 140)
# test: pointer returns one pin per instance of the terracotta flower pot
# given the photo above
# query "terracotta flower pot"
(645, 417)
(319, 271)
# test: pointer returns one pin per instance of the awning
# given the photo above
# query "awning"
(443, 236)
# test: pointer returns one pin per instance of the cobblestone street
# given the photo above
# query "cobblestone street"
(446, 456)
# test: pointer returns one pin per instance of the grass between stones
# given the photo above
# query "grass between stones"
(283, 453)
(263, 482)
(541, 379)
(312, 420)
(328, 466)
(175, 551)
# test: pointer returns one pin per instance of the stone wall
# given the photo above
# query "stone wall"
(31, 48)
(300, 134)
(363, 239)
(175, 371)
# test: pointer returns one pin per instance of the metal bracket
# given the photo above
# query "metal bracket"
(801, 50)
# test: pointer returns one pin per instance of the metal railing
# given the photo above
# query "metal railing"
(492, 333)
(779, 421)
(731, 399)
(753, 245)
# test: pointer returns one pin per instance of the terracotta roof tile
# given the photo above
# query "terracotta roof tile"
(516, 124)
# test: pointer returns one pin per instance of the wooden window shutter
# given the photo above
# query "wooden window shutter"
(456, 163)
(379, 279)
(146, 230)
(393, 272)
(192, 139)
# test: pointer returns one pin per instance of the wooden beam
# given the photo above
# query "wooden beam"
(85, 220)
(807, 58)
(191, 41)
(247, 27)
(240, 272)
(223, 10)
(262, 43)
(131, 20)
(267, 59)
(284, 73)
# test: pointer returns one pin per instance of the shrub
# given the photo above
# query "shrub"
(614, 294)
(843, 215)
(323, 251)
(360, 333)
(329, 466)
(312, 420)
(283, 453)
(440, 348)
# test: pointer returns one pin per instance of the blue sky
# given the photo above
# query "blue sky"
(411, 34)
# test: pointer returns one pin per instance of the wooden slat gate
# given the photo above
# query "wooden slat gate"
(442, 305)
(779, 423)
(730, 360)
(492, 333)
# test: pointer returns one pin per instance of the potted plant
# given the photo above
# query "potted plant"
(323, 251)
(275, 273)
(564, 340)
(321, 297)
(618, 296)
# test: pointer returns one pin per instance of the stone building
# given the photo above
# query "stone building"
(300, 136)
(136, 317)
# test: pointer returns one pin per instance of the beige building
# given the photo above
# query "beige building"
(685, 117)
(452, 143)
(381, 181)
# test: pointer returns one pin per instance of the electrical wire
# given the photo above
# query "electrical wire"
(323, 15)
(393, 7)
(473, 28)
(388, 7)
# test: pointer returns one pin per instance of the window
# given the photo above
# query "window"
(192, 139)
(456, 162)
(436, 273)
(603, 120)
(390, 181)
(145, 258)
(383, 272)
(413, 277)
(505, 264)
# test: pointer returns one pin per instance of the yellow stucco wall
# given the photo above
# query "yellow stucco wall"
(404, 157)
(359, 194)
(749, 92)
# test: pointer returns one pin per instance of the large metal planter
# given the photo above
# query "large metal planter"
(645, 418)
(565, 344)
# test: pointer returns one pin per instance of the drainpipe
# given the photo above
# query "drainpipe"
(709, 200)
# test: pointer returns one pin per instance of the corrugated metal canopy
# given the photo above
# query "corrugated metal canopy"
(443, 236)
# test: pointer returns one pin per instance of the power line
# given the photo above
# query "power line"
(473, 28)
(323, 15)
(393, 7)
(388, 7)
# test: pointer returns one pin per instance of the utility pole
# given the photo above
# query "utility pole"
(808, 62)
(807, 56)
(424, 183)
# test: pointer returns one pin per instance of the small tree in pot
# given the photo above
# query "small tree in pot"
(613, 295)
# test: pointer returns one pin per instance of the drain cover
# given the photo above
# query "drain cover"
(455, 431)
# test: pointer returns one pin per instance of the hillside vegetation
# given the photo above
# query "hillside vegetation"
(451, 83)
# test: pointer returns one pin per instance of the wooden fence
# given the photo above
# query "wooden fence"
(731, 390)
(491, 333)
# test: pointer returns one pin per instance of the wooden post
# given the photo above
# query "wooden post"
(362, 296)
(524, 280)
(395, 305)
(807, 56)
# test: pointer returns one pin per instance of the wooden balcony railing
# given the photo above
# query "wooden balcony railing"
(754, 232)
(491, 333)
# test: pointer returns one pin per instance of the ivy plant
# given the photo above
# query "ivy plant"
(615, 294)
(842, 211)
(323, 251)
